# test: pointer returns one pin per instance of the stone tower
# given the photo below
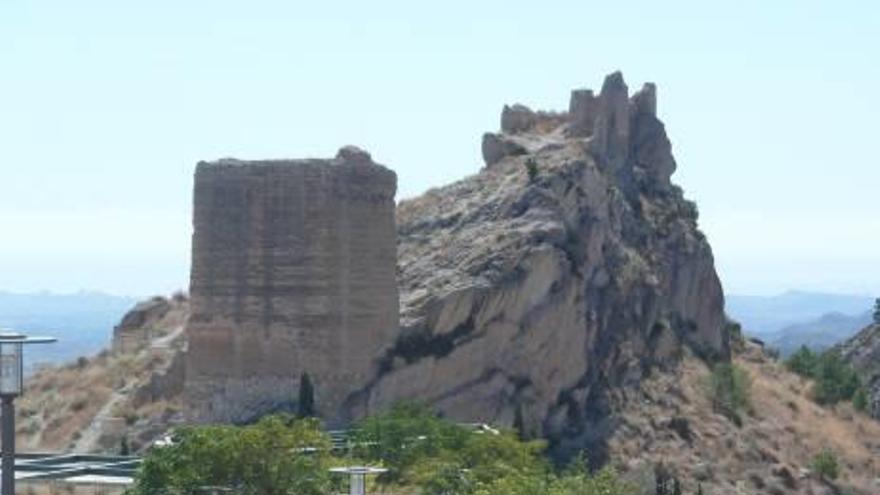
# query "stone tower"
(293, 272)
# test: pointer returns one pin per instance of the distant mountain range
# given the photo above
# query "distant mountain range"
(82, 322)
(795, 318)
(822, 333)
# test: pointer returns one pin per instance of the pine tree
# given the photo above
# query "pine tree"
(306, 403)
(519, 423)
(124, 449)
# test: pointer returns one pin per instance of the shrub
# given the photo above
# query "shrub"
(532, 169)
(825, 464)
(834, 379)
(803, 362)
(729, 390)
(78, 404)
(306, 402)
(277, 455)
(860, 400)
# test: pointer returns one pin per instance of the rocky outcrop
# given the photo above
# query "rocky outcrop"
(862, 352)
(141, 324)
(527, 295)
(293, 273)
(568, 266)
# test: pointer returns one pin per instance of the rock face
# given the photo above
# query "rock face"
(863, 353)
(135, 328)
(524, 300)
(293, 272)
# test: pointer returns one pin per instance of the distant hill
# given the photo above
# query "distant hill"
(766, 316)
(82, 322)
(822, 333)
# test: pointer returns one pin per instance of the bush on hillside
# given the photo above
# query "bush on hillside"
(729, 390)
(834, 379)
(803, 362)
(860, 400)
(532, 169)
(825, 464)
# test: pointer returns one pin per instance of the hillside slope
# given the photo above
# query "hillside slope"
(863, 352)
(90, 405)
(670, 421)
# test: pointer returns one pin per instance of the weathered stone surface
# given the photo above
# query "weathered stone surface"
(533, 297)
(495, 147)
(516, 118)
(293, 272)
(582, 108)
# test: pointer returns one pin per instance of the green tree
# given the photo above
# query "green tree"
(825, 464)
(124, 448)
(279, 455)
(531, 169)
(803, 362)
(306, 402)
(835, 380)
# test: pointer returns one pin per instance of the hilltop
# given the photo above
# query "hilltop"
(564, 290)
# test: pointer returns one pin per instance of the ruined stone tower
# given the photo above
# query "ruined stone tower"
(293, 271)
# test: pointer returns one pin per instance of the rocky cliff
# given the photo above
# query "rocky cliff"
(569, 264)
(863, 353)
(293, 274)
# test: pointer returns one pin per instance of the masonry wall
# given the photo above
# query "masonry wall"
(293, 271)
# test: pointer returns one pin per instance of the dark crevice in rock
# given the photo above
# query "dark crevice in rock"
(414, 346)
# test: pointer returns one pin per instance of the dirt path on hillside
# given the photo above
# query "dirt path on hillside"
(88, 441)
(165, 341)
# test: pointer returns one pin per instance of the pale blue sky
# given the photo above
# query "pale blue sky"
(106, 106)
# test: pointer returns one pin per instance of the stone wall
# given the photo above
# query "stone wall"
(293, 271)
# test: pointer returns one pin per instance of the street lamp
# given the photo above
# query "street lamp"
(357, 477)
(11, 385)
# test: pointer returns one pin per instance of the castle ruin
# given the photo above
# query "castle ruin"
(293, 273)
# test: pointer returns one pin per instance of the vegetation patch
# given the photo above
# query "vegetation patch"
(729, 390)
(833, 379)
(423, 453)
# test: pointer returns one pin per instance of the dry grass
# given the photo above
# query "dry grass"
(780, 436)
(61, 402)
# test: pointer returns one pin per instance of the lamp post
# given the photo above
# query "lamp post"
(357, 483)
(11, 385)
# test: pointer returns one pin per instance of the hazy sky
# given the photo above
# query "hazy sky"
(106, 106)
